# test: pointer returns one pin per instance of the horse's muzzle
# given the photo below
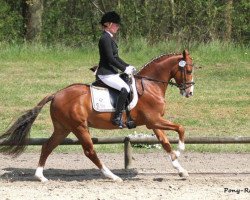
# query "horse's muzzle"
(188, 92)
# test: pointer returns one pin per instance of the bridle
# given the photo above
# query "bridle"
(182, 86)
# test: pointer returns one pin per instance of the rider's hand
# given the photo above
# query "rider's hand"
(130, 70)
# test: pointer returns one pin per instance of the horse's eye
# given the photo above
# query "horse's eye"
(189, 71)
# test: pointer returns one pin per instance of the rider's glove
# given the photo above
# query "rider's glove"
(130, 70)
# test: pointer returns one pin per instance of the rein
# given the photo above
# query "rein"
(150, 79)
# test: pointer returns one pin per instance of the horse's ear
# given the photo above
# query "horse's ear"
(185, 53)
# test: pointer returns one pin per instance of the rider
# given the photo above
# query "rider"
(110, 62)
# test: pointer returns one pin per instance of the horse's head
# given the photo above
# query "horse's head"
(184, 75)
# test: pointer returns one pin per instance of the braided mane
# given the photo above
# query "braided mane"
(158, 59)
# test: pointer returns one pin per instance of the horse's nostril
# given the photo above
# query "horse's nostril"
(191, 93)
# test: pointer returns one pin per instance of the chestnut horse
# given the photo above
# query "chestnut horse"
(71, 110)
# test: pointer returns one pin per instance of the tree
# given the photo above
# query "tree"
(32, 13)
(228, 20)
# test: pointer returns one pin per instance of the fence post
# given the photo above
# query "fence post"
(127, 153)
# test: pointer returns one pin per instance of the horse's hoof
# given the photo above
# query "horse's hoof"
(42, 179)
(184, 175)
(118, 179)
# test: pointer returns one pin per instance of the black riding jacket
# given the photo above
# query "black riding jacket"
(109, 58)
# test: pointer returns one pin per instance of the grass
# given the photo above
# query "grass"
(220, 106)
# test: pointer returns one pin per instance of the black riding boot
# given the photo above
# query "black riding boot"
(117, 119)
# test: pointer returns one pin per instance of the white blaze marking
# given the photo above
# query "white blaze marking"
(192, 87)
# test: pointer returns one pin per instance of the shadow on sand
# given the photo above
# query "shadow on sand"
(24, 174)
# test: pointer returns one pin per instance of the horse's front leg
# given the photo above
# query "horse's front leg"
(173, 155)
(164, 124)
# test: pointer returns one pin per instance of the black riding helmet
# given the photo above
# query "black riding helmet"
(111, 16)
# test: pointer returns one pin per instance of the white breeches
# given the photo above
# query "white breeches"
(114, 81)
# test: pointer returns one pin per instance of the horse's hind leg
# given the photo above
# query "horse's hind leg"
(173, 155)
(56, 138)
(84, 137)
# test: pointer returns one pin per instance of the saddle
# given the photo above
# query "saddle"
(104, 98)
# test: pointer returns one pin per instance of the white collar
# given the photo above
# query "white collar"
(109, 33)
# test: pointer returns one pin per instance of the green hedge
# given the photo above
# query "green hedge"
(76, 22)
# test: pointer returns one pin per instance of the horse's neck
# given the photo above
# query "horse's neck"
(158, 74)
(160, 68)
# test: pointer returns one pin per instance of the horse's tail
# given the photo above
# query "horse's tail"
(14, 140)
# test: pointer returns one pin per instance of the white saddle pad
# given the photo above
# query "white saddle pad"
(101, 98)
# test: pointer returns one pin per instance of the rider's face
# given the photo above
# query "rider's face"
(113, 27)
